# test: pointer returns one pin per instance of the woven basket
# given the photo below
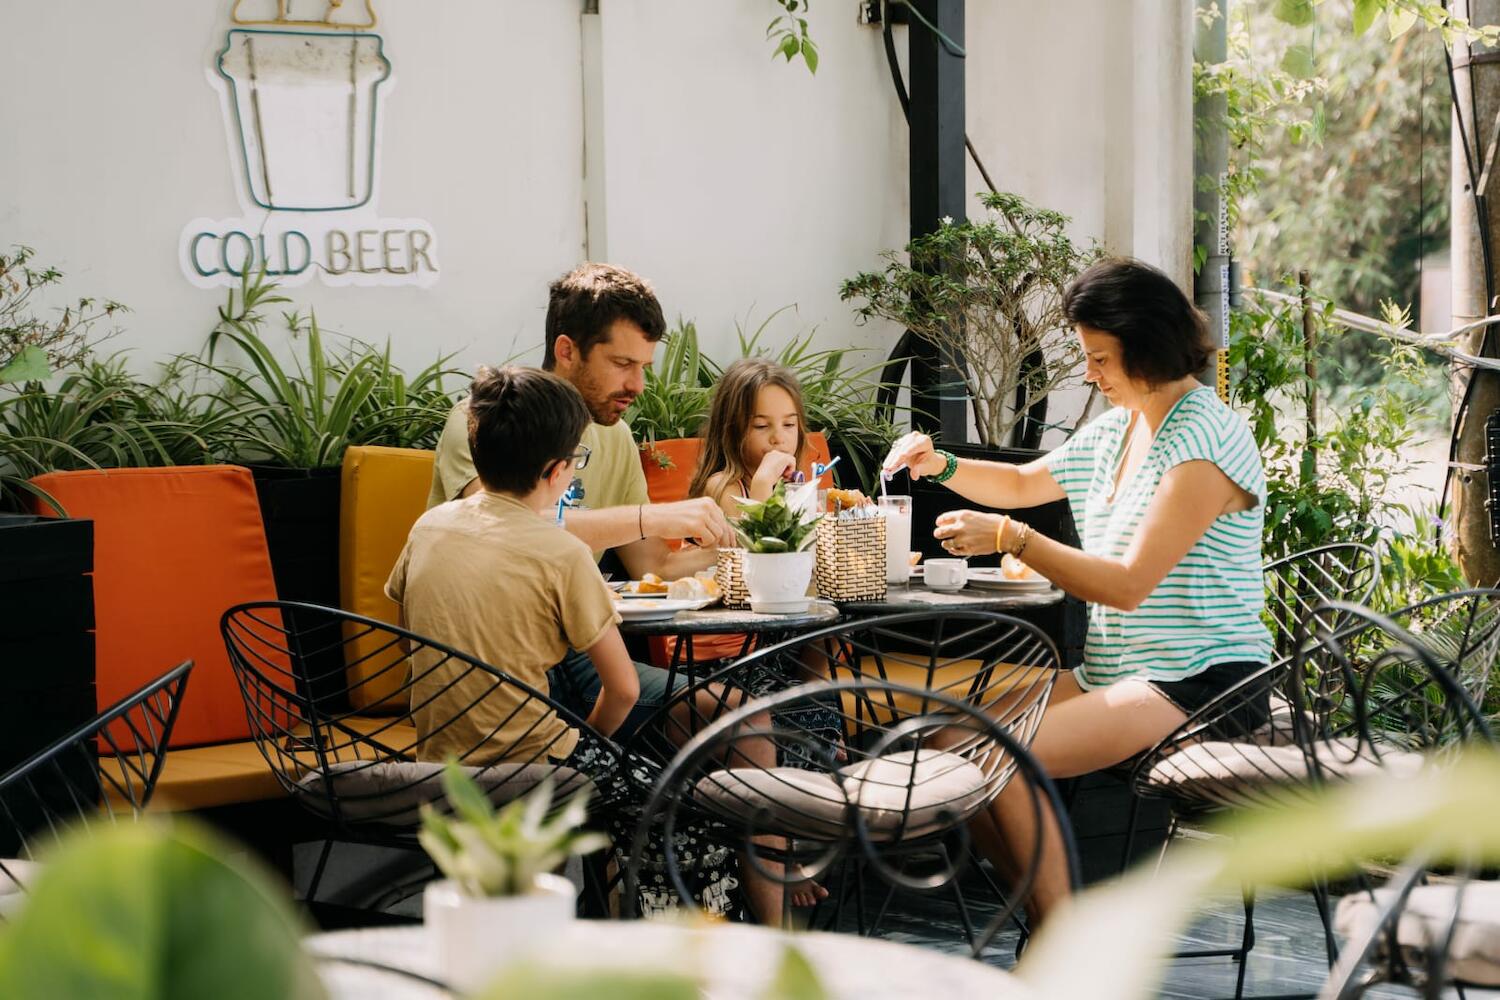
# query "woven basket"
(851, 559)
(730, 573)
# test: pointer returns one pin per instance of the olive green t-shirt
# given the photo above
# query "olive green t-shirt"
(489, 576)
(613, 477)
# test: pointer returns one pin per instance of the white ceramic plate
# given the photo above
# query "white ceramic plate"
(649, 611)
(990, 578)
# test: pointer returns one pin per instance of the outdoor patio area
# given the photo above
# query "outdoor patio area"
(753, 500)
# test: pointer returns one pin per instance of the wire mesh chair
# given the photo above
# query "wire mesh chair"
(889, 786)
(1372, 692)
(104, 770)
(367, 776)
(1295, 584)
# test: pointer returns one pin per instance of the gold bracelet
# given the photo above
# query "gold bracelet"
(1000, 533)
(1024, 541)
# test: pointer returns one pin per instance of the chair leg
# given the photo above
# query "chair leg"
(1130, 823)
(317, 878)
(1319, 892)
(1247, 941)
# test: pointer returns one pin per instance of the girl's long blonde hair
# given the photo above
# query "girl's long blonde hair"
(729, 416)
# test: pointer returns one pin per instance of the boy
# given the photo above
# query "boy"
(493, 575)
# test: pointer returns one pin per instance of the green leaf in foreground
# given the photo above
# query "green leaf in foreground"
(795, 979)
(530, 982)
(136, 912)
(29, 365)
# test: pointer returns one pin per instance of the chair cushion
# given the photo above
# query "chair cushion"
(1238, 765)
(393, 793)
(898, 795)
(793, 800)
(173, 548)
(16, 874)
(383, 492)
(1475, 954)
(914, 794)
(1277, 730)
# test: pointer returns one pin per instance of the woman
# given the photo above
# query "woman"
(1167, 490)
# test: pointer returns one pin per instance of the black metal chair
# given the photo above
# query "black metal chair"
(1418, 932)
(368, 775)
(887, 792)
(1363, 692)
(103, 771)
(1295, 584)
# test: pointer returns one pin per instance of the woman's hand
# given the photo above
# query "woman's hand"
(967, 533)
(775, 467)
(915, 451)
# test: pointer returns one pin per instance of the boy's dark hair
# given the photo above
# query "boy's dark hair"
(521, 421)
(1162, 335)
(586, 301)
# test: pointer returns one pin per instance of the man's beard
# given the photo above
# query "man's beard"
(602, 409)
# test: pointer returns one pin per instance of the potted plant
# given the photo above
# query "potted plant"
(500, 894)
(779, 556)
(668, 414)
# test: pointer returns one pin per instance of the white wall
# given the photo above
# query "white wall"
(737, 184)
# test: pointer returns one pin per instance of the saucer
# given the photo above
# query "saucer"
(949, 589)
(796, 607)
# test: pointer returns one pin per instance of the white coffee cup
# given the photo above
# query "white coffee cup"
(946, 574)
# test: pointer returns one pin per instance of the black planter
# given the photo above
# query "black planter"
(1067, 622)
(46, 638)
(300, 509)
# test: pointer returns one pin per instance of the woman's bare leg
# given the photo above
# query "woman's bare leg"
(1081, 731)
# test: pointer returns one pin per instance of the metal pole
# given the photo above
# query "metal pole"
(940, 401)
(1211, 284)
(1310, 370)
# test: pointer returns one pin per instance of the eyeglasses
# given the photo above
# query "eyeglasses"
(580, 457)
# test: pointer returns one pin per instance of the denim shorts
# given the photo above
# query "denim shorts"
(1192, 693)
(575, 685)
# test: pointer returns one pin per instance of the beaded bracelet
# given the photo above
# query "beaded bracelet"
(950, 466)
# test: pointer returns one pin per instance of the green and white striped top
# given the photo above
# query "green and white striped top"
(1208, 608)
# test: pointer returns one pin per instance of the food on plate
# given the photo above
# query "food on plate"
(648, 584)
(1014, 569)
(843, 499)
(912, 558)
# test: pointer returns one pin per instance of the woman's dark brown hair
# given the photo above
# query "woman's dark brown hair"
(1163, 337)
(729, 416)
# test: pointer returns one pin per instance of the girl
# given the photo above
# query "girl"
(757, 434)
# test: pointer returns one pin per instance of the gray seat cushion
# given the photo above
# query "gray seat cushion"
(392, 793)
(897, 795)
(1238, 765)
(1475, 953)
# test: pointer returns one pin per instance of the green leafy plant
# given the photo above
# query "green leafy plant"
(788, 30)
(32, 349)
(674, 400)
(988, 292)
(138, 911)
(491, 853)
(306, 416)
(771, 525)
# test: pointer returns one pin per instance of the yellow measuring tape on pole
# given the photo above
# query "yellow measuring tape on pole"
(1222, 378)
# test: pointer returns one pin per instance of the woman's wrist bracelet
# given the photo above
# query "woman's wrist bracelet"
(1000, 533)
(1023, 541)
(640, 520)
(950, 466)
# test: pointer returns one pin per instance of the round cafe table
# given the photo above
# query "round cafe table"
(917, 596)
(730, 961)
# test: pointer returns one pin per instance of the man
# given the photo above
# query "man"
(603, 324)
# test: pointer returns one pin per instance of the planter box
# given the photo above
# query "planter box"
(46, 636)
(300, 509)
(1067, 622)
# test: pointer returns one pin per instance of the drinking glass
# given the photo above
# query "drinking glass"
(897, 513)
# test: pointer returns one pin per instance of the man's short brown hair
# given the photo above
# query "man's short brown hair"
(588, 300)
(521, 421)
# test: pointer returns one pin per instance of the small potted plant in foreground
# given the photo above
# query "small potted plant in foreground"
(779, 556)
(500, 895)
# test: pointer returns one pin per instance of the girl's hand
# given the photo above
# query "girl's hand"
(966, 533)
(915, 451)
(776, 466)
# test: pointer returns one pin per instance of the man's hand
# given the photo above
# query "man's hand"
(699, 519)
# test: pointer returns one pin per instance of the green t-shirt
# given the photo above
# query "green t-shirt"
(613, 477)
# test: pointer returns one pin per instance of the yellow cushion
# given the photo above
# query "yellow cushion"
(384, 492)
(954, 679)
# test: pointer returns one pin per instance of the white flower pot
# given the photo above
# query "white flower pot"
(477, 936)
(778, 581)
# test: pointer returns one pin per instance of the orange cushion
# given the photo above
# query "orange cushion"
(384, 492)
(173, 549)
